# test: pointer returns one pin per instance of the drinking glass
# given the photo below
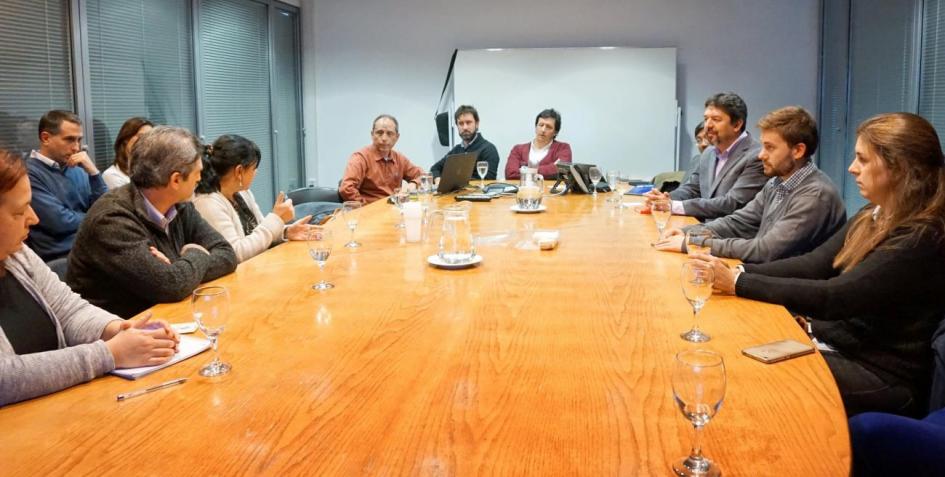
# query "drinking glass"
(210, 306)
(698, 388)
(612, 178)
(697, 241)
(697, 277)
(482, 168)
(320, 241)
(400, 197)
(425, 192)
(351, 209)
(594, 175)
(661, 209)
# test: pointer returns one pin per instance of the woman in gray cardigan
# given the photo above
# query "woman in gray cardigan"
(50, 338)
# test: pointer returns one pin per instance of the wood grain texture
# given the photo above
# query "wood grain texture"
(534, 363)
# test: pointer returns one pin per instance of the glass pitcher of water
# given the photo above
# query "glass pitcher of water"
(456, 238)
(530, 187)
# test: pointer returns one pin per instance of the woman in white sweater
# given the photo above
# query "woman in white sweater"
(226, 203)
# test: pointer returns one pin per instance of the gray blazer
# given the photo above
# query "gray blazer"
(82, 355)
(705, 196)
(763, 231)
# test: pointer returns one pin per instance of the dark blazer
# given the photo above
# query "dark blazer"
(705, 196)
(487, 152)
(518, 157)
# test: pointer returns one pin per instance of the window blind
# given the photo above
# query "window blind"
(35, 68)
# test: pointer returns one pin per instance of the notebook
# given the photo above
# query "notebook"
(189, 346)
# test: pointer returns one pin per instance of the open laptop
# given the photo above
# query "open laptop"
(457, 171)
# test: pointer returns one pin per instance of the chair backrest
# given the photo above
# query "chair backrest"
(314, 194)
(663, 178)
(937, 396)
(59, 266)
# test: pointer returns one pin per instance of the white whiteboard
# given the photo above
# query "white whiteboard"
(618, 105)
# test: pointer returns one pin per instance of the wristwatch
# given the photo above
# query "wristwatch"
(739, 270)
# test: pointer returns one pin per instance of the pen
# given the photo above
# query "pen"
(129, 395)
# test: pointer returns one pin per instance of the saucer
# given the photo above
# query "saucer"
(437, 262)
(515, 208)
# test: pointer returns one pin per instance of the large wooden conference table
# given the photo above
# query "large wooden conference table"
(534, 363)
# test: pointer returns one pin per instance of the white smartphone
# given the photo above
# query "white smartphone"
(778, 351)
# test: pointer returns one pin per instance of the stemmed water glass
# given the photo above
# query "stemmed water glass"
(351, 209)
(697, 241)
(210, 306)
(482, 168)
(400, 197)
(697, 277)
(661, 209)
(594, 175)
(320, 241)
(698, 388)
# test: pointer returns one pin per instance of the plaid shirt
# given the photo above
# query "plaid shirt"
(784, 187)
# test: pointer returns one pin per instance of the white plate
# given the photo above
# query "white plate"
(515, 208)
(439, 263)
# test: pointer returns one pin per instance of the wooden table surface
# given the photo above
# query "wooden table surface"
(534, 363)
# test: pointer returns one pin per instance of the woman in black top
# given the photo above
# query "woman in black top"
(875, 292)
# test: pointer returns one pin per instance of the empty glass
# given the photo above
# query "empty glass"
(697, 277)
(594, 175)
(400, 197)
(425, 192)
(661, 209)
(698, 388)
(482, 168)
(697, 241)
(319, 241)
(351, 210)
(612, 178)
(210, 307)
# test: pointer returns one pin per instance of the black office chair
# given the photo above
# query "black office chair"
(314, 194)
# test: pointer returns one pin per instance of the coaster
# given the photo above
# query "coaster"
(437, 262)
(515, 208)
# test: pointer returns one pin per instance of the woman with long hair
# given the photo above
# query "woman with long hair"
(226, 203)
(119, 173)
(50, 338)
(873, 294)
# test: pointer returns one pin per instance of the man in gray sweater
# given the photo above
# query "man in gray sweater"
(798, 209)
(144, 243)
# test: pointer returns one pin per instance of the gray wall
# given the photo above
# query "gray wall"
(365, 57)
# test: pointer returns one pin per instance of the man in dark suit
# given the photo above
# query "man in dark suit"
(467, 123)
(729, 174)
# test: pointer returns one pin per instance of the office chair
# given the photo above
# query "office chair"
(319, 202)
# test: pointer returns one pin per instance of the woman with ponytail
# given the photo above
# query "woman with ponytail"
(224, 200)
(875, 292)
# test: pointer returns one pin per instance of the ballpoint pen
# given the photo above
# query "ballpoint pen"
(131, 394)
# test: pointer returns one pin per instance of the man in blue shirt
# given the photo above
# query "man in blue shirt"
(65, 184)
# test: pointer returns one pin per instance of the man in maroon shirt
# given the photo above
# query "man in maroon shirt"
(374, 171)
